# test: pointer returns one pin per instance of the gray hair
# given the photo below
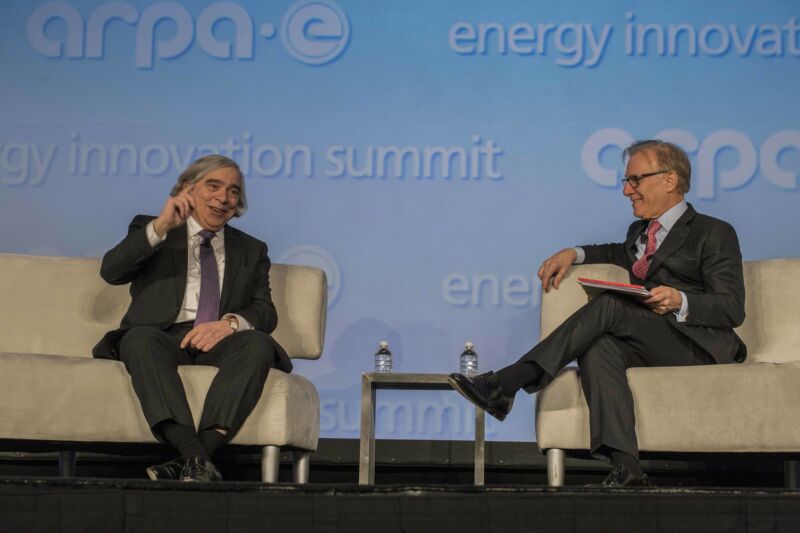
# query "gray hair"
(202, 167)
(670, 156)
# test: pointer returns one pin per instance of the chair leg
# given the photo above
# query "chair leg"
(555, 467)
(270, 463)
(301, 462)
(66, 463)
(791, 473)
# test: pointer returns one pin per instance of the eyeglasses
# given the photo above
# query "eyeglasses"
(633, 181)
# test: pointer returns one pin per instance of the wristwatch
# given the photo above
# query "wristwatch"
(233, 322)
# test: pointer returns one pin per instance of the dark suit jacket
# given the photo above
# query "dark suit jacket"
(700, 257)
(158, 283)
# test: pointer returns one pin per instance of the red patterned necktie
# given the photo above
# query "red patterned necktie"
(208, 303)
(643, 263)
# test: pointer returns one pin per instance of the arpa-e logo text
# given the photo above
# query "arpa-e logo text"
(314, 32)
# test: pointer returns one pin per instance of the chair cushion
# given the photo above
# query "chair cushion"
(714, 408)
(56, 397)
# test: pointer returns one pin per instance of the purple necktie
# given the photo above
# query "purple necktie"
(208, 304)
(641, 266)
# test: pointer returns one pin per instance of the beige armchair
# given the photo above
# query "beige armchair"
(53, 310)
(749, 407)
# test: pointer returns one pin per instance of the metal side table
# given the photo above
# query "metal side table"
(372, 381)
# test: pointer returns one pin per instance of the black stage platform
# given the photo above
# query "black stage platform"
(407, 462)
(104, 505)
(421, 486)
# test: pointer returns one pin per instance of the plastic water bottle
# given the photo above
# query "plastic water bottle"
(469, 360)
(383, 358)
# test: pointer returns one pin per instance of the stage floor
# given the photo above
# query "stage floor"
(108, 505)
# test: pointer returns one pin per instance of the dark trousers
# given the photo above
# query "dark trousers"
(152, 357)
(607, 336)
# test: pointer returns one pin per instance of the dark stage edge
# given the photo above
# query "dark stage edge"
(86, 505)
(410, 462)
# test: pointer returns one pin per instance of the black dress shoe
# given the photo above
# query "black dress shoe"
(170, 470)
(483, 390)
(621, 477)
(197, 469)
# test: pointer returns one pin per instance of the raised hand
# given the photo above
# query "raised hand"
(175, 212)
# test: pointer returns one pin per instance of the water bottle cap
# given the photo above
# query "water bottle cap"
(468, 345)
(383, 344)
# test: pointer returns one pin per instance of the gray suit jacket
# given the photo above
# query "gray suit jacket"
(700, 257)
(157, 278)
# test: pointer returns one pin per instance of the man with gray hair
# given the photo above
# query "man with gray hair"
(200, 295)
(692, 267)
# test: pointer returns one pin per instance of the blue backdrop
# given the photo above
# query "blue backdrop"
(428, 154)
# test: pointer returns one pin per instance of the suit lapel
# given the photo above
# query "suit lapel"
(633, 235)
(233, 259)
(177, 241)
(675, 239)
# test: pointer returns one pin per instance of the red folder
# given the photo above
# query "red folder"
(627, 288)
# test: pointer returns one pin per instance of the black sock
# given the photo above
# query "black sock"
(518, 375)
(184, 438)
(211, 440)
(627, 460)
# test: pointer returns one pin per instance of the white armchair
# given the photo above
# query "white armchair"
(54, 309)
(749, 407)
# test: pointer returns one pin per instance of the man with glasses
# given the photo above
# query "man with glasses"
(199, 296)
(692, 266)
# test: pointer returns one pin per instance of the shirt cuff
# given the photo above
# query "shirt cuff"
(581, 256)
(152, 236)
(683, 313)
(244, 325)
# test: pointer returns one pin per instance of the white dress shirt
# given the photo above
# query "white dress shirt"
(667, 220)
(191, 297)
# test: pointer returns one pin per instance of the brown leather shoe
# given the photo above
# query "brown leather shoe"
(197, 469)
(483, 390)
